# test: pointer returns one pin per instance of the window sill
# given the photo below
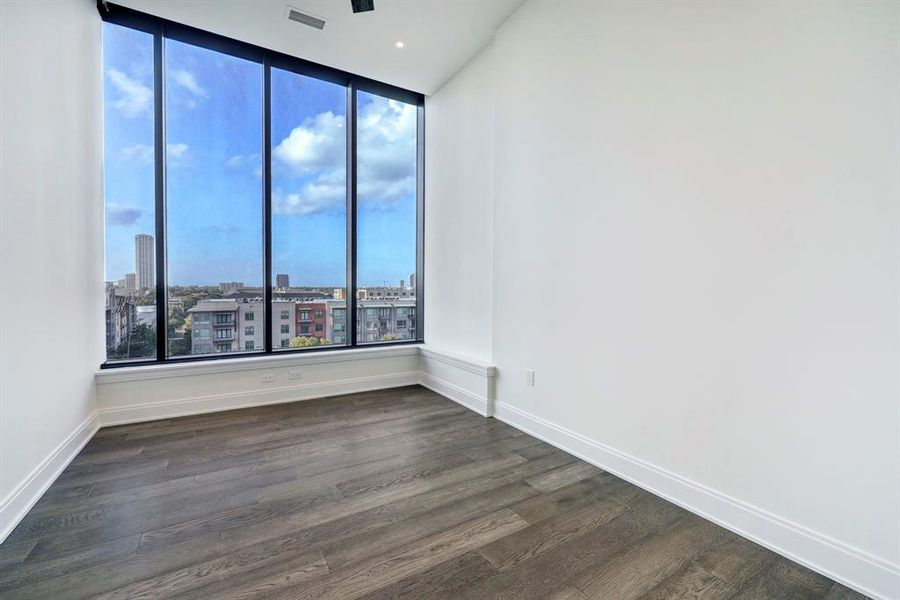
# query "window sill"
(252, 363)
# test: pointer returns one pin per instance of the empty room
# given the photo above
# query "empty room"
(450, 299)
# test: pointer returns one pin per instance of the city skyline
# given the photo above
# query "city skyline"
(143, 277)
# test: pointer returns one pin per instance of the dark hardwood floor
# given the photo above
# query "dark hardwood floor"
(392, 494)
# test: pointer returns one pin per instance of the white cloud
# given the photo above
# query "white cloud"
(139, 152)
(176, 150)
(239, 161)
(386, 151)
(326, 193)
(249, 162)
(318, 142)
(386, 158)
(135, 99)
(187, 81)
(144, 153)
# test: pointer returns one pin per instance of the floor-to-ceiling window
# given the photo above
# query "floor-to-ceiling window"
(255, 202)
(129, 194)
(309, 209)
(386, 219)
(214, 199)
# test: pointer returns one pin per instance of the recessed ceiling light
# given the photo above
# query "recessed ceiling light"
(399, 44)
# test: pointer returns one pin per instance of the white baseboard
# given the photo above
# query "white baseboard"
(468, 399)
(17, 503)
(850, 566)
(182, 407)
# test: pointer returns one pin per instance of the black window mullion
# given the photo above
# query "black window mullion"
(267, 202)
(159, 147)
(351, 213)
(420, 222)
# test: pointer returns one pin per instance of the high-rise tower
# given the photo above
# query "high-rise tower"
(144, 261)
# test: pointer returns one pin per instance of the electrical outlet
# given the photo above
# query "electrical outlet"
(268, 378)
(529, 377)
(295, 375)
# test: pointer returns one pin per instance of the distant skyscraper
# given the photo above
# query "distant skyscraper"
(402, 283)
(144, 261)
(130, 281)
(282, 281)
(412, 281)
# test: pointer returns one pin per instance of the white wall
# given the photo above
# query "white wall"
(459, 171)
(51, 261)
(695, 245)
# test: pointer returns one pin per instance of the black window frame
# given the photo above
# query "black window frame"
(162, 29)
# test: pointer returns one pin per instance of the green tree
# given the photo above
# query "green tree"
(177, 317)
(147, 299)
(141, 343)
(306, 341)
(180, 343)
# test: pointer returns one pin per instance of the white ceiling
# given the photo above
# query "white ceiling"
(440, 35)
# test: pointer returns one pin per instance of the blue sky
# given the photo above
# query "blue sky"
(214, 182)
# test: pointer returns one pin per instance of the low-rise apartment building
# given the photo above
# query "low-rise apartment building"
(228, 325)
(214, 326)
(238, 325)
(386, 320)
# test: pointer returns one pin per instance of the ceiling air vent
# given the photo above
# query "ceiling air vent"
(307, 19)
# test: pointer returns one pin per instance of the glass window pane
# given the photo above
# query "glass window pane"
(386, 218)
(309, 214)
(214, 200)
(129, 193)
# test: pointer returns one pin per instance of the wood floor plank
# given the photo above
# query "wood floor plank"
(544, 574)
(571, 497)
(738, 561)
(447, 579)
(569, 592)
(106, 457)
(386, 569)
(289, 571)
(44, 569)
(235, 564)
(359, 547)
(13, 553)
(563, 477)
(692, 582)
(376, 482)
(388, 494)
(785, 579)
(637, 569)
(538, 450)
(81, 475)
(511, 551)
